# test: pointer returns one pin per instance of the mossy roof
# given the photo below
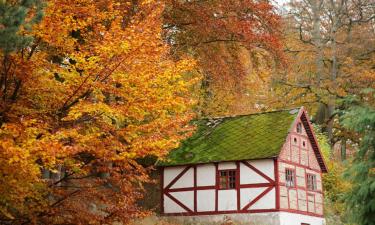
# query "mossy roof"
(254, 136)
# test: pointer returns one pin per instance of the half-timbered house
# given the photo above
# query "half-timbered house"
(261, 168)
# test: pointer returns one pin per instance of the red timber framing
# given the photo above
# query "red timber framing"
(271, 184)
(193, 212)
(277, 181)
(238, 183)
(268, 185)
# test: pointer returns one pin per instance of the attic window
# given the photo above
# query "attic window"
(227, 179)
(299, 128)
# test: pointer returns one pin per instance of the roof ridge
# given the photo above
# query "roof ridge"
(252, 114)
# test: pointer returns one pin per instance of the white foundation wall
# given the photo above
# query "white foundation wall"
(297, 219)
(270, 218)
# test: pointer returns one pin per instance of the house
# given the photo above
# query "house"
(261, 168)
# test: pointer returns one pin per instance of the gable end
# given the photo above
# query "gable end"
(313, 141)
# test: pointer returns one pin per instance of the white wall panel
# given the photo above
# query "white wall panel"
(227, 200)
(170, 173)
(206, 175)
(266, 166)
(266, 202)
(171, 206)
(227, 166)
(185, 197)
(249, 176)
(187, 180)
(206, 200)
(248, 194)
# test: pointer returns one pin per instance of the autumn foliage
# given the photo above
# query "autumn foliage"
(236, 44)
(93, 90)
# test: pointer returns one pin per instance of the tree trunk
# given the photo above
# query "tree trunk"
(343, 149)
(317, 39)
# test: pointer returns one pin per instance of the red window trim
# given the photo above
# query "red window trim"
(227, 179)
(294, 178)
(314, 184)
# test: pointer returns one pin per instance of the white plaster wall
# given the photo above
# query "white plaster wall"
(185, 197)
(227, 166)
(227, 200)
(187, 180)
(248, 194)
(249, 176)
(266, 166)
(296, 219)
(266, 202)
(171, 206)
(206, 200)
(170, 173)
(206, 175)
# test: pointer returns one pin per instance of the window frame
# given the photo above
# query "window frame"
(313, 186)
(228, 182)
(293, 176)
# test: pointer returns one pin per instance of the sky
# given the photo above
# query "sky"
(281, 2)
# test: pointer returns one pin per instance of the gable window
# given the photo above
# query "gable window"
(289, 178)
(311, 182)
(299, 128)
(227, 179)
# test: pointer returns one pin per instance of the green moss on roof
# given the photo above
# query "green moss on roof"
(254, 136)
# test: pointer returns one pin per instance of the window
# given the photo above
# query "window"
(305, 224)
(289, 178)
(304, 143)
(227, 179)
(311, 182)
(299, 128)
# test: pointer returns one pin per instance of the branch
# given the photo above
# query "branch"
(64, 198)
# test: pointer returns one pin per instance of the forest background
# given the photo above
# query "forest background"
(93, 92)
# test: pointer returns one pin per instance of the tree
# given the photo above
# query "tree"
(359, 116)
(99, 91)
(236, 44)
(322, 37)
(16, 18)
